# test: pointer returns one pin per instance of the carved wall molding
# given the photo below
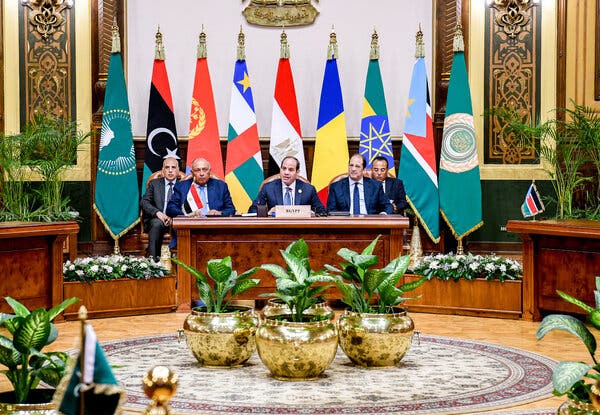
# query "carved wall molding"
(280, 13)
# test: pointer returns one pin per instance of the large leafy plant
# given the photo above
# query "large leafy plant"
(372, 290)
(298, 286)
(220, 284)
(21, 352)
(569, 377)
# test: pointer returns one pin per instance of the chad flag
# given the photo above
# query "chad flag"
(244, 168)
(331, 142)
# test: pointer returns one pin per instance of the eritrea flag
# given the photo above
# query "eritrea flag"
(161, 134)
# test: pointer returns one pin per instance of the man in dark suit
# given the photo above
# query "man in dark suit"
(154, 205)
(357, 194)
(392, 187)
(212, 197)
(288, 190)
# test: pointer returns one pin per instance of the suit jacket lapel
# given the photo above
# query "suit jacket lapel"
(160, 197)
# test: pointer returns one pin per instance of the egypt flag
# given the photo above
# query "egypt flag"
(331, 142)
(204, 131)
(193, 201)
(375, 136)
(459, 179)
(244, 171)
(286, 138)
(533, 203)
(417, 160)
(161, 134)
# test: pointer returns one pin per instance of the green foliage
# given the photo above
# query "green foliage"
(367, 290)
(220, 284)
(298, 285)
(567, 377)
(21, 353)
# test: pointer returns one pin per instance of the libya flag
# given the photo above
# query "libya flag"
(116, 198)
(459, 179)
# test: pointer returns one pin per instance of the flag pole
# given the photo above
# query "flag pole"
(82, 316)
(459, 247)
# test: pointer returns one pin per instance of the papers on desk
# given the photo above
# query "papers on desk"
(244, 215)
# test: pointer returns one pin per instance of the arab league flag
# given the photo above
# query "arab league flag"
(204, 138)
(418, 168)
(99, 387)
(331, 142)
(286, 137)
(375, 136)
(161, 134)
(459, 179)
(116, 197)
(244, 171)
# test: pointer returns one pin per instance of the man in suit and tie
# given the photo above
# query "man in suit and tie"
(154, 205)
(357, 194)
(288, 190)
(210, 197)
(392, 187)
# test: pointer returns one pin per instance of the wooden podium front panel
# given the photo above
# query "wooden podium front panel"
(255, 241)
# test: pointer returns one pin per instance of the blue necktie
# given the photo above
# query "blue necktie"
(169, 194)
(287, 198)
(356, 200)
(204, 209)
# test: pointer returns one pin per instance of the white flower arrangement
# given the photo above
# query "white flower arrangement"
(454, 267)
(112, 267)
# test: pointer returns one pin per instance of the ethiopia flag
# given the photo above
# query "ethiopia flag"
(244, 171)
(204, 131)
(116, 198)
(417, 161)
(331, 141)
(286, 137)
(161, 134)
(460, 183)
(375, 137)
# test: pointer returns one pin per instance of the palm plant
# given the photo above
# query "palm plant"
(26, 363)
(224, 285)
(298, 286)
(368, 290)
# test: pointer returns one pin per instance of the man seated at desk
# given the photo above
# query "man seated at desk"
(392, 187)
(288, 190)
(210, 197)
(357, 194)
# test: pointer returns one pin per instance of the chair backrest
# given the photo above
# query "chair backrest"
(278, 176)
(159, 174)
(338, 178)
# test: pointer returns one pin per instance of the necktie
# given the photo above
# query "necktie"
(356, 200)
(204, 199)
(169, 194)
(287, 198)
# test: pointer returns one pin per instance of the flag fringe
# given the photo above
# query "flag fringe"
(107, 227)
(473, 229)
(423, 223)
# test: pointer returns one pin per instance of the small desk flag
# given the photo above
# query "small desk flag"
(533, 203)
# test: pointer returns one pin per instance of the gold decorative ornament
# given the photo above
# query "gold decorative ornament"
(374, 55)
(375, 340)
(332, 48)
(160, 385)
(512, 16)
(280, 13)
(46, 15)
(159, 49)
(416, 249)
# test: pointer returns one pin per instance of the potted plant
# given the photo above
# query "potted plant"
(21, 352)
(220, 333)
(569, 378)
(118, 285)
(374, 332)
(298, 345)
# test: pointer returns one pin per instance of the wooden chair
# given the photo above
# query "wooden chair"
(278, 176)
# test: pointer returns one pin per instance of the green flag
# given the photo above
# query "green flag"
(459, 180)
(117, 196)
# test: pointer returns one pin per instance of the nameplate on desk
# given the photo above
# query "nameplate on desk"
(294, 211)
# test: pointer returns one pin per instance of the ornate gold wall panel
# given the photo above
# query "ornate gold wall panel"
(47, 60)
(512, 80)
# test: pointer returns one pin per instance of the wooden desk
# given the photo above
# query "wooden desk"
(557, 255)
(252, 241)
(31, 260)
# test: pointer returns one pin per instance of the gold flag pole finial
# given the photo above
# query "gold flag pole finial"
(374, 46)
(420, 44)
(458, 45)
(332, 49)
(201, 52)
(82, 316)
(241, 49)
(159, 50)
(116, 39)
(285, 47)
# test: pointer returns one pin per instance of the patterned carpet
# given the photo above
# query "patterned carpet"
(439, 375)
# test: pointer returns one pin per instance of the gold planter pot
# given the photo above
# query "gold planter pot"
(296, 351)
(38, 408)
(221, 339)
(571, 407)
(276, 307)
(375, 340)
